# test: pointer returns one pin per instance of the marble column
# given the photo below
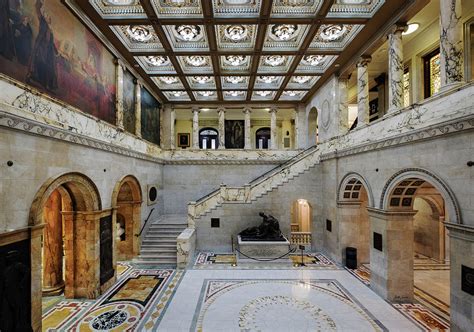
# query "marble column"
(391, 266)
(363, 91)
(119, 94)
(451, 45)
(395, 68)
(273, 128)
(221, 114)
(172, 133)
(247, 112)
(138, 110)
(343, 114)
(196, 127)
(301, 127)
(53, 282)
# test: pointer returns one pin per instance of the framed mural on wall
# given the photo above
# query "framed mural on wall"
(184, 140)
(43, 45)
(234, 134)
(150, 117)
(128, 102)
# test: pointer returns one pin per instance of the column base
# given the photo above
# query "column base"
(450, 86)
(53, 290)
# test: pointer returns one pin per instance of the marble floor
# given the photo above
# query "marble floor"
(322, 297)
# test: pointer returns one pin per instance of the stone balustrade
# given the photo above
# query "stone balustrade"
(300, 237)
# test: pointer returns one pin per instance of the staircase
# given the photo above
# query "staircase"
(252, 191)
(159, 243)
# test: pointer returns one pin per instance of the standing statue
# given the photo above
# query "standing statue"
(268, 230)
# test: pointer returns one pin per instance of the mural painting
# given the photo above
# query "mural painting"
(234, 134)
(150, 117)
(128, 102)
(44, 45)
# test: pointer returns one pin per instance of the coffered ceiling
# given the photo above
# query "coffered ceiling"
(232, 51)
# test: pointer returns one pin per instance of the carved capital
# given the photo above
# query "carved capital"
(364, 61)
(397, 29)
(195, 109)
(220, 110)
(247, 110)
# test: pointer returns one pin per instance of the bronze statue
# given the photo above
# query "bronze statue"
(268, 230)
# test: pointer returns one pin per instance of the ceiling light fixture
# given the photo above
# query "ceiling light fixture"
(292, 93)
(235, 60)
(235, 79)
(196, 60)
(202, 79)
(263, 93)
(236, 32)
(267, 79)
(301, 79)
(206, 93)
(234, 93)
(139, 33)
(178, 93)
(188, 32)
(284, 31)
(274, 60)
(157, 60)
(169, 79)
(314, 60)
(412, 27)
(332, 32)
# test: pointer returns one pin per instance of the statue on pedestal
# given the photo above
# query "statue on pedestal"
(268, 230)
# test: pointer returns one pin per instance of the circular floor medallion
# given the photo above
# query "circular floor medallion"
(283, 313)
(109, 320)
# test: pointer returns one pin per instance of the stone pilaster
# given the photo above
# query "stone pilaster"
(273, 128)
(395, 68)
(119, 94)
(172, 133)
(461, 251)
(221, 114)
(247, 111)
(348, 220)
(392, 267)
(451, 45)
(195, 127)
(363, 91)
(343, 114)
(301, 127)
(138, 110)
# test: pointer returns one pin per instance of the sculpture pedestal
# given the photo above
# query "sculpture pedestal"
(263, 250)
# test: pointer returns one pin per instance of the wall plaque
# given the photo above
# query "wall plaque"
(378, 241)
(467, 279)
(328, 225)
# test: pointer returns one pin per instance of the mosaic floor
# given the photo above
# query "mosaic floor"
(214, 296)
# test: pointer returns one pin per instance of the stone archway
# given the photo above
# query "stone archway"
(392, 229)
(81, 218)
(354, 196)
(127, 200)
(301, 222)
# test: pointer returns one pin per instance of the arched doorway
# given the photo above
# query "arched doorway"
(208, 138)
(312, 126)
(262, 138)
(354, 196)
(301, 222)
(76, 254)
(414, 204)
(127, 199)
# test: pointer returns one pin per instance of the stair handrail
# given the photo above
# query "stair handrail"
(144, 224)
(254, 181)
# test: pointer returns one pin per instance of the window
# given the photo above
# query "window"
(406, 87)
(208, 138)
(431, 73)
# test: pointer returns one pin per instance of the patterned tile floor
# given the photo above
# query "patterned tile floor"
(429, 313)
(214, 296)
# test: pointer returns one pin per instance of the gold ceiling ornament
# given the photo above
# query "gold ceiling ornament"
(139, 33)
(157, 60)
(188, 32)
(332, 32)
(234, 79)
(274, 60)
(202, 79)
(301, 79)
(267, 79)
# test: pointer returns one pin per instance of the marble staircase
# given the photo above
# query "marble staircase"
(257, 188)
(159, 243)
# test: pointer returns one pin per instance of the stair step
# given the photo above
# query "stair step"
(158, 257)
(161, 231)
(158, 251)
(161, 235)
(159, 245)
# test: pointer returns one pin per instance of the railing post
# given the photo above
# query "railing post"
(191, 214)
(247, 192)
(223, 192)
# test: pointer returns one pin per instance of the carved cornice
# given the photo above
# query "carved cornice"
(431, 132)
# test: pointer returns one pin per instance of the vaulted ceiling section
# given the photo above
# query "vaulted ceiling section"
(239, 51)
